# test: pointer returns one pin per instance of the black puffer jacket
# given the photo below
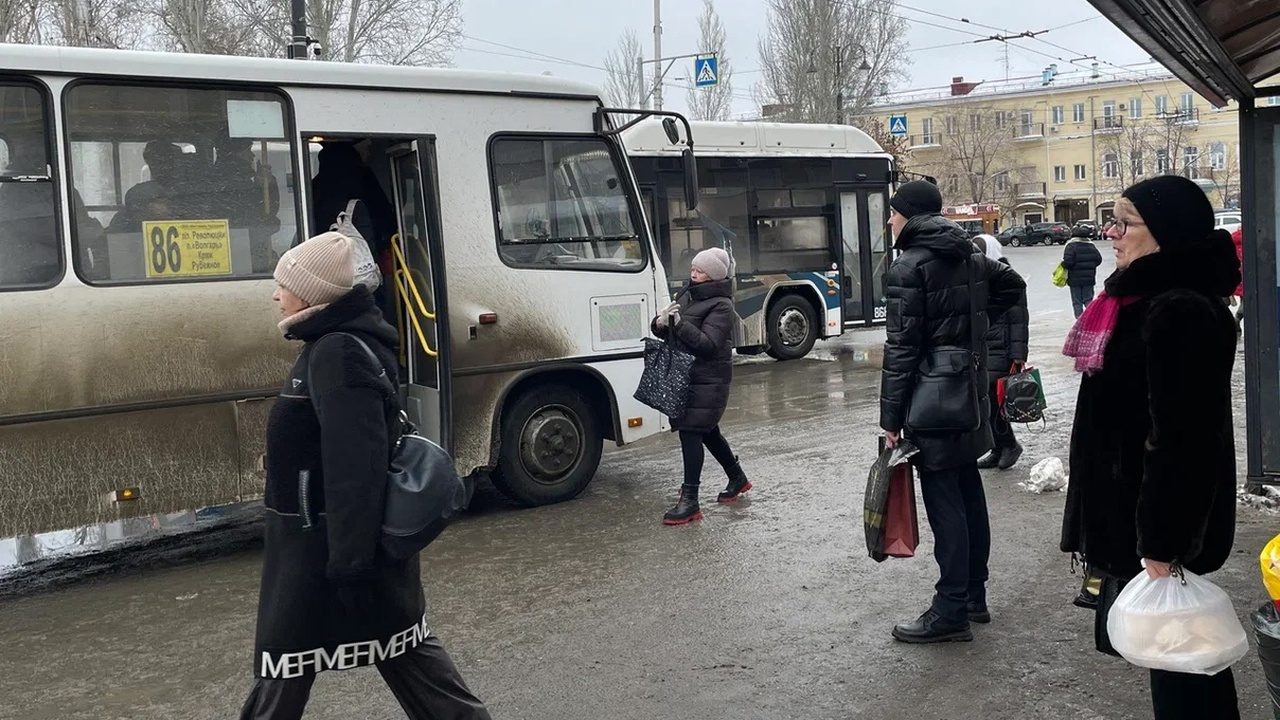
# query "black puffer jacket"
(929, 305)
(1008, 338)
(1081, 259)
(705, 330)
(328, 461)
(1153, 463)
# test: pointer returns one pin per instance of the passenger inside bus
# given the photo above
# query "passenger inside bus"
(156, 198)
(341, 176)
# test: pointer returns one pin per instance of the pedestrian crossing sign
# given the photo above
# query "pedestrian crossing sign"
(897, 124)
(707, 71)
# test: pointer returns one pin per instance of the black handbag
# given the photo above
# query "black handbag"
(424, 493)
(664, 384)
(945, 397)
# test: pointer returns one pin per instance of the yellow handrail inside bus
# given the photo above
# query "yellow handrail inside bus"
(403, 277)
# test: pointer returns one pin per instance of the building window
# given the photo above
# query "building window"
(953, 185)
(1109, 108)
(1162, 104)
(1081, 172)
(1273, 101)
(975, 122)
(30, 254)
(1190, 155)
(1135, 108)
(1110, 165)
(1162, 162)
(1136, 164)
(1218, 156)
(950, 124)
(560, 205)
(190, 183)
(1059, 173)
(927, 137)
(1002, 181)
(1058, 115)
(1001, 120)
(1188, 101)
(1077, 112)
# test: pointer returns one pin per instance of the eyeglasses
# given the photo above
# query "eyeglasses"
(1121, 226)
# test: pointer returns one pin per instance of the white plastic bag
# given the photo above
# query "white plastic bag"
(1186, 626)
(366, 269)
(1048, 475)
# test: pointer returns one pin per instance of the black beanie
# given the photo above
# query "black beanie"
(1176, 210)
(915, 198)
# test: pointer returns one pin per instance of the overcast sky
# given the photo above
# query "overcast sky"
(575, 35)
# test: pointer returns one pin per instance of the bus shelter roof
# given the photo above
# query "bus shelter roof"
(1223, 49)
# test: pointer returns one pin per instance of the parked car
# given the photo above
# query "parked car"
(1046, 233)
(1228, 220)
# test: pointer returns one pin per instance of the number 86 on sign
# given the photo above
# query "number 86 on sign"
(187, 248)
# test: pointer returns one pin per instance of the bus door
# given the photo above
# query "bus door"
(418, 291)
(865, 257)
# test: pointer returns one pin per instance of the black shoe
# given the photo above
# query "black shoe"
(991, 459)
(686, 509)
(978, 612)
(1010, 456)
(1086, 600)
(738, 483)
(931, 628)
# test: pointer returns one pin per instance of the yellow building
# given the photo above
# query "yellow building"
(1063, 146)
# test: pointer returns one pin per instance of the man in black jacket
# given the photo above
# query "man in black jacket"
(1081, 259)
(934, 304)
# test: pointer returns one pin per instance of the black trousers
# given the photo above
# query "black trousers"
(1081, 295)
(1001, 430)
(691, 448)
(957, 509)
(424, 680)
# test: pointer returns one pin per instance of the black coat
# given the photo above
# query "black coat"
(1008, 338)
(705, 330)
(1153, 464)
(1081, 259)
(328, 460)
(929, 305)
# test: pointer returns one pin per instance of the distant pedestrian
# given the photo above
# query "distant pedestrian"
(700, 322)
(1237, 236)
(1081, 259)
(329, 599)
(932, 312)
(1007, 349)
(1153, 462)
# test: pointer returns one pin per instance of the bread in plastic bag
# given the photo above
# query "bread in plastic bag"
(1182, 625)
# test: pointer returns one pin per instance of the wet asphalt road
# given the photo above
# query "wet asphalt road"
(591, 609)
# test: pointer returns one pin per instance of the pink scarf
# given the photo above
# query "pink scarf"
(1087, 341)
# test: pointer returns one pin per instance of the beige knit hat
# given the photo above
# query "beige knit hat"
(319, 270)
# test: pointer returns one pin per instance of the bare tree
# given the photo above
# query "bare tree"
(715, 102)
(977, 148)
(1227, 177)
(93, 23)
(625, 85)
(814, 50)
(392, 32)
(205, 26)
(20, 21)
(1125, 155)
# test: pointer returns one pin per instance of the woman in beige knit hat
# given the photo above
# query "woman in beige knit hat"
(329, 600)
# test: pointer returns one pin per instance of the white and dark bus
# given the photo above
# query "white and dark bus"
(145, 198)
(802, 209)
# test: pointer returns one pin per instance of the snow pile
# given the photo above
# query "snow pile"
(1048, 475)
(1268, 501)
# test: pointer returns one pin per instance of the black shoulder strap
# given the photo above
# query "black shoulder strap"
(372, 356)
(974, 339)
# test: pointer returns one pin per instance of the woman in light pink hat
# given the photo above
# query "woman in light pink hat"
(700, 322)
(329, 600)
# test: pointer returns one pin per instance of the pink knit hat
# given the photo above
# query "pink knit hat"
(319, 270)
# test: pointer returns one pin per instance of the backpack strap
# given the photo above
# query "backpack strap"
(974, 339)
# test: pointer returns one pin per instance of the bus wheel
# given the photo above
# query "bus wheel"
(551, 446)
(792, 329)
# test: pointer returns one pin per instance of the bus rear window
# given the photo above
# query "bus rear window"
(561, 204)
(179, 183)
(30, 254)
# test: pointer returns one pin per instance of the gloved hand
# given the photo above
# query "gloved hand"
(358, 598)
